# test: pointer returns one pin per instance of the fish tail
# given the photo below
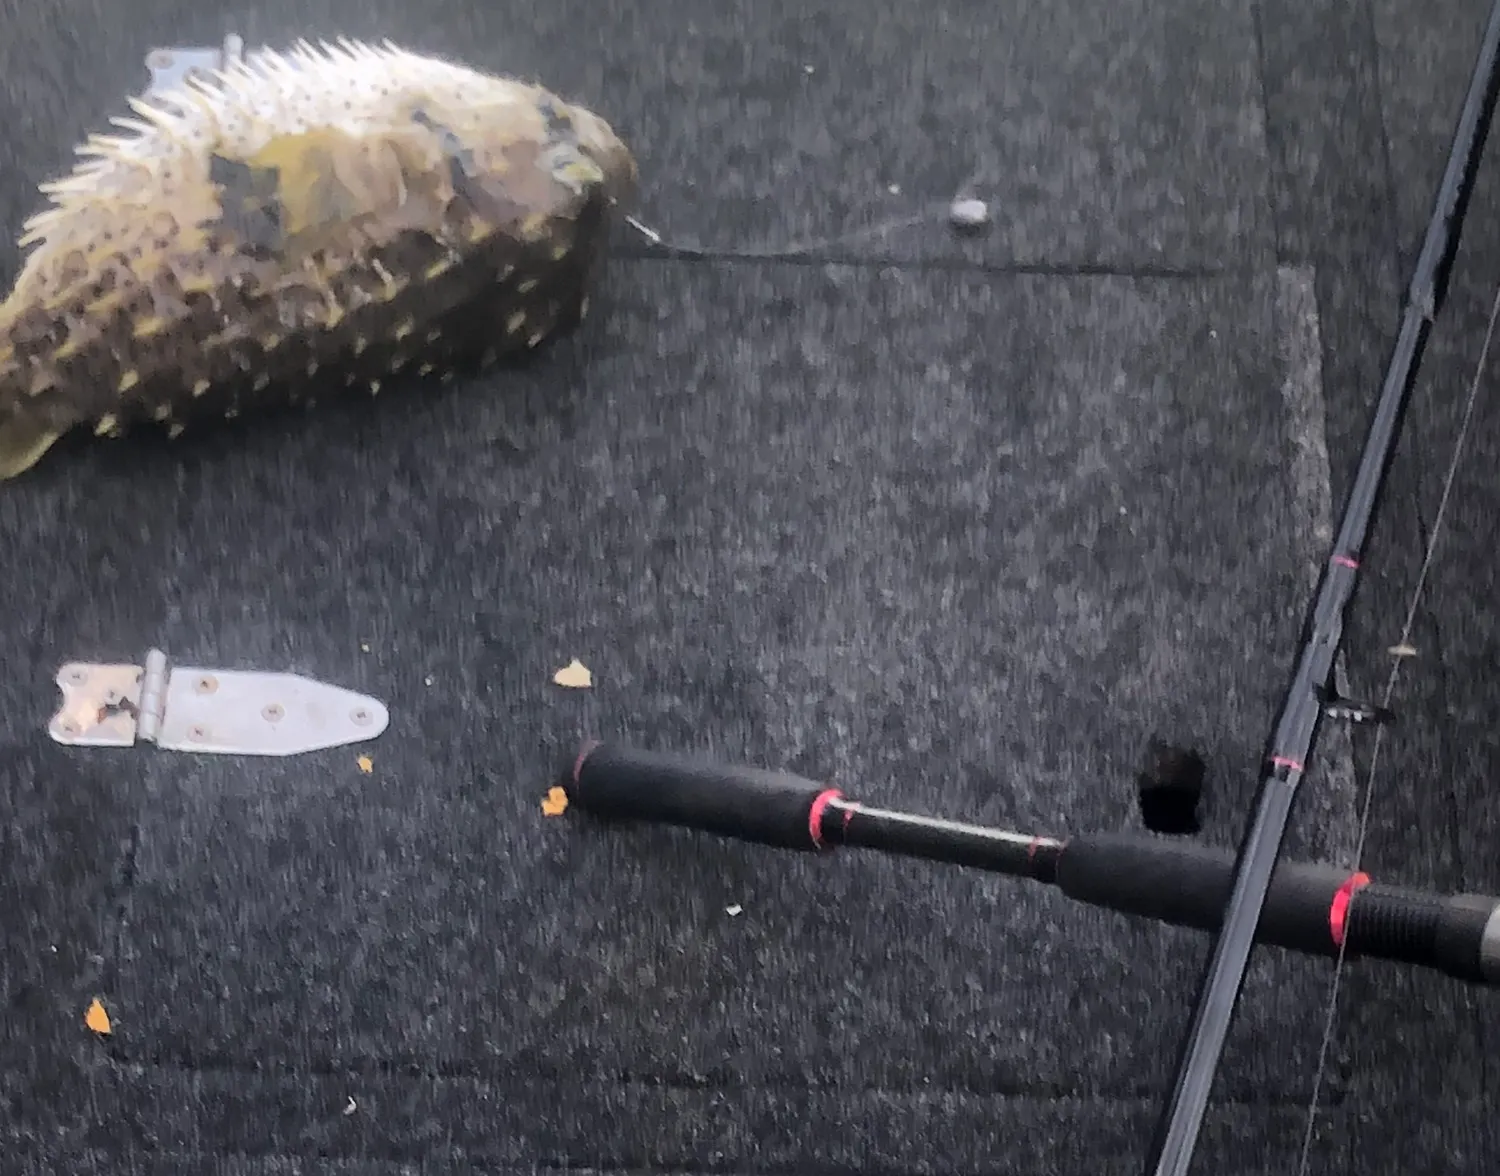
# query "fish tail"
(25, 437)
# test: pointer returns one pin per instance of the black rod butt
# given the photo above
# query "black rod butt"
(748, 804)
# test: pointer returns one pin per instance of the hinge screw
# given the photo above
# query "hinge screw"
(197, 732)
(361, 716)
(273, 713)
(206, 684)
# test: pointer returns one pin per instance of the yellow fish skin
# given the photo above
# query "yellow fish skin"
(298, 220)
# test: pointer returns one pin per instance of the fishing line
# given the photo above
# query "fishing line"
(796, 248)
(1368, 792)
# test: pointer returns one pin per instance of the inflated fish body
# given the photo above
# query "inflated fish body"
(297, 221)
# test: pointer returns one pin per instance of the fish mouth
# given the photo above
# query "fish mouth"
(598, 140)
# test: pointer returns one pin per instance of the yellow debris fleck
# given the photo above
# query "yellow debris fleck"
(129, 380)
(555, 803)
(1403, 650)
(405, 328)
(106, 426)
(574, 675)
(97, 1019)
(366, 764)
(437, 269)
(515, 322)
(200, 388)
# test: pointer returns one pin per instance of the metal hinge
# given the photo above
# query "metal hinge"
(170, 67)
(224, 712)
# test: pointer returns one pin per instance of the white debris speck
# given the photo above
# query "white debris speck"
(733, 910)
(351, 1107)
(969, 214)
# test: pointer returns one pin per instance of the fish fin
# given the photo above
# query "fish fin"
(22, 444)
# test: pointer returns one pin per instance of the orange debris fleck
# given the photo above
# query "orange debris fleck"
(575, 674)
(555, 803)
(366, 764)
(97, 1019)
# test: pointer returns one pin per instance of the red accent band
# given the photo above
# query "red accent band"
(815, 814)
(1345, 561)
(1282, 761)
(583, 754)
(1338, 909)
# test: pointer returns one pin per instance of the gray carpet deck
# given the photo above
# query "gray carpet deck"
(955, 536)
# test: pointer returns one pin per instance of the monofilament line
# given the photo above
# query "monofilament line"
(1368, 793)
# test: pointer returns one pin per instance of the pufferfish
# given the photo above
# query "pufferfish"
(332, 213)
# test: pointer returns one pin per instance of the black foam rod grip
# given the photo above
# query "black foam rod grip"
(1310, 908)
(1187, 885)
(750, 804)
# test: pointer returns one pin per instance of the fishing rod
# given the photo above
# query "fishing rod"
(1309, 908)
(1311, 692)
(1246, 898)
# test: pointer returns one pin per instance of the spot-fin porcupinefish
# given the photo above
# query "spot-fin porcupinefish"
(338, 211)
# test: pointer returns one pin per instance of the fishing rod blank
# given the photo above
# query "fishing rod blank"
(1305, 703)
(1314, 909)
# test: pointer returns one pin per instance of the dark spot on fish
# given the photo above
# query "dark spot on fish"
(488, 205)
(251, 210)
(559, 123)
(458, 155)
